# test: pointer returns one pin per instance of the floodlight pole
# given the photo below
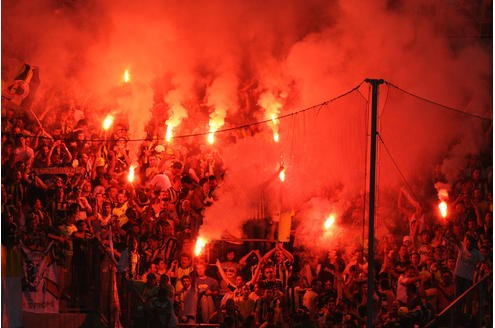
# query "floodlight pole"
(375, 84)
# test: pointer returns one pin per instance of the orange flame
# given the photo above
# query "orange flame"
(443, 196)
(107, 122)
(443, 209)
(169, 133)
(217, 120)
(211, 137)
(130, 176)
(127, 77)
(276, 135)
(200, 245)
(281, 175)
(329, 222)
(272, 105)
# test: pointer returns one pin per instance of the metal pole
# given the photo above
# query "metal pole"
(371, 213)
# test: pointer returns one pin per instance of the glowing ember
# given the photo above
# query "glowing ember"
(281, 175)
(107, 122)
(130, 176)
(276, 137)
(329, 222)
(211, 138)
(127, 77)
(169, 133)
(443, 209)
(200, 245)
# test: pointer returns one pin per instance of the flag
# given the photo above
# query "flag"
(22, 89)
(39, 271)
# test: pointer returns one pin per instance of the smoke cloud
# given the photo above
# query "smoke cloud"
(217, 57)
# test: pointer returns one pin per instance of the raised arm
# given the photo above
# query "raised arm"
(66, 151)
(222, 273)
(286, 253)
(267, 256)
(242, 261)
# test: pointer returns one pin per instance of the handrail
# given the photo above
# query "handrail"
(459, 298)
(198, 325)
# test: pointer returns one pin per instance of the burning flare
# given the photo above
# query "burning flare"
(176, 112)
(222, 98)
(276, 135)
(200, 245)
(443, 209)
(281, 175)
(130, 176)
(127, 77)
(211, 137)
(169, 133)
(329, 222)
(107, 122)
(272, 106)
(443, 196)
(217, 120)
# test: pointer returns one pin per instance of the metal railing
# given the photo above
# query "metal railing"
(474, 302)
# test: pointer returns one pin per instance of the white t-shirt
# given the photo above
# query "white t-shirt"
(160, 182)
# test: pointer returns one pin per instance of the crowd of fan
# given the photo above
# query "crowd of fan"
(148, 229)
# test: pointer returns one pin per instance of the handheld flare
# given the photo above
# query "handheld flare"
(130, 176)
(107, 122)
(127, 77)
(281, 174)
(200, 245)
(329, 222)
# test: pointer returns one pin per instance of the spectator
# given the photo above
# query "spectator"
(246, 306)
(187, 300)
(207, 288)
(162, 310)
(467, 259)
(181, 268)
(409, 277)
(310, 299)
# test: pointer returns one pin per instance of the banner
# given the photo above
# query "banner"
(39, 285)
(284, 226)
(59, 170)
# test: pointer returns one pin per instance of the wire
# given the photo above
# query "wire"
(238, 127)
(396, 166)
(438, 104)
(380, 113)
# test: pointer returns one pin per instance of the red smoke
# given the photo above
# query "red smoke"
(216, 58)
